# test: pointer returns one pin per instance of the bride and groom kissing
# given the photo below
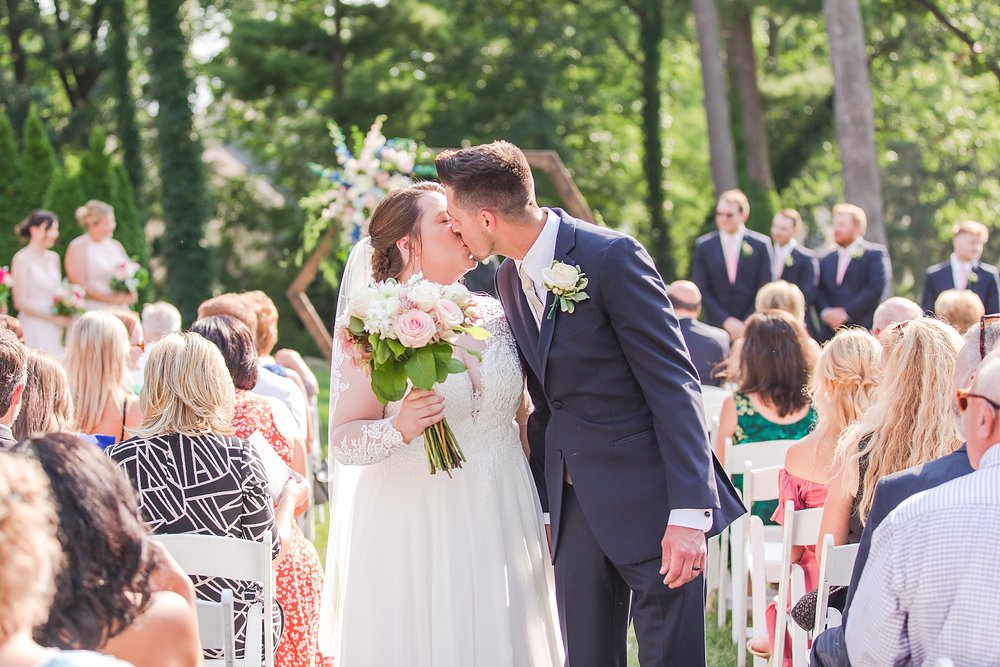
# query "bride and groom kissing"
(585, 368)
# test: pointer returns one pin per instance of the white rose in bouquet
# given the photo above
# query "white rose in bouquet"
(458, 293)
(425, 296)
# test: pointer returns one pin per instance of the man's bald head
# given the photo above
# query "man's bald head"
(892, 310)
(686, 298)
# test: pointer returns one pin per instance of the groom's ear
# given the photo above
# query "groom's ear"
(489, 219)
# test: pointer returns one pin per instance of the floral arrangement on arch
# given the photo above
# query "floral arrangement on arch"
(367, 170)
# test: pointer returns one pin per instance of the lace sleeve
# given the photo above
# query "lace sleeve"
(359, 435)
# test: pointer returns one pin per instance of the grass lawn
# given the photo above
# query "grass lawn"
(721, 650)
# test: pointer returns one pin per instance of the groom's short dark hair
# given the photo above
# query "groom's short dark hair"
(494, 176)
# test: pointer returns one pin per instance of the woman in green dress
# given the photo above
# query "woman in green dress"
(772, 401)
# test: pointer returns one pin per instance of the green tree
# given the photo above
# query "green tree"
(62, 198)
(9, 182)
(39, 165)
(189, 265)
(121, 83)
(95, 169)
(131, 232)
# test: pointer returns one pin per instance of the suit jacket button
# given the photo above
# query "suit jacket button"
(557, 405)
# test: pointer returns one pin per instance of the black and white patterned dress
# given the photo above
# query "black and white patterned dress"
(208, 485)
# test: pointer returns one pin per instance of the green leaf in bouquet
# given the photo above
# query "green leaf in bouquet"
(455, 366)
(421, 369)
(356, 326)
(478, 333)
(388, 382)
(382, 352)
(397, 348)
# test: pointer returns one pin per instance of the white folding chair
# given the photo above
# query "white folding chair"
(801, 529)
(216, 630)
(835, 569)
(733, 540)
(243, 560)
(712, 400)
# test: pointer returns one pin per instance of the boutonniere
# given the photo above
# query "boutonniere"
(973, 277)
(746, 250)
(789, 261)
(566, 283)
(858, 253)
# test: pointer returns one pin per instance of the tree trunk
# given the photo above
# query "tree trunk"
(14, 31)
(853, 110)
(720, 131)
(190, 271)
(743, 65)
(339, 74)
(128, 131)
(651, 29)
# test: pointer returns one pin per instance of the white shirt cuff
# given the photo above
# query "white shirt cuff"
(690, 518)
(546, 519)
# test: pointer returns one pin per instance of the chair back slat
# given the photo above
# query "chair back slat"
(762, 454)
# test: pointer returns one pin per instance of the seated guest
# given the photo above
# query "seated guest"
(46, 404)
(136, 339)
(97, 359)
(929, 588)
(910, 422)
(964, 270)
(299, 576)
(842, 387)
(269, 384)
(707, 345)
(792, 262)
(960, 309)
(771, 402)
(13, 377)
(892, 310)
(12, 323)
(782, 295)
(158, 320)
(730, 265)
(187, 407)
(30, 558)
(119, 593)
(829, 649)
(854, 278)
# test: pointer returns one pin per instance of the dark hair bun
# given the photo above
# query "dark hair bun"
(35, 218)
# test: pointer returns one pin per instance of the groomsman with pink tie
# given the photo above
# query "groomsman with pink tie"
(792, 262)
(730, 265)
(964, 270)
(854, 278)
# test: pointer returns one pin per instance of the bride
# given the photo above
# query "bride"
(432, 571)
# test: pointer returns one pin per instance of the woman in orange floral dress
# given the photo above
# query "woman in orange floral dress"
(299, 577)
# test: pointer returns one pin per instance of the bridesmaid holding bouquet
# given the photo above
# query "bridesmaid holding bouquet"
(37, 280)
(93, 258)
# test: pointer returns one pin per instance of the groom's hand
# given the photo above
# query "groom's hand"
(683, 555)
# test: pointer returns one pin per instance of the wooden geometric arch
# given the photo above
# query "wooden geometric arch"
(547, 162)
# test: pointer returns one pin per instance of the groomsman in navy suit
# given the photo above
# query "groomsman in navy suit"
(963, 270)
(792, 262)
(730, 265)
(855, 277)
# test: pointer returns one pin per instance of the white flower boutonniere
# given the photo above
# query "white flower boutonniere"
(566, 283)
(973, 277)
(746, 250)
(789, 261)
(858, 253)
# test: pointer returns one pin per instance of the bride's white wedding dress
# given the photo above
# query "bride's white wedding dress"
(430, 571)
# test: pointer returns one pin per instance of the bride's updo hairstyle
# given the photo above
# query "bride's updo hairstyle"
(395, 217)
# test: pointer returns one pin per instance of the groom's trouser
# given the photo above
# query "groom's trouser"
(594, 598)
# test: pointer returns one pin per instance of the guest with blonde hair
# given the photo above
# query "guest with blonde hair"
(97, 359)
(781, 295)
(843, 385)
(959, 308)
(136, 337)
(30, 559)
(92, 257)
(909, 422)
(187, 404)
(47, 403)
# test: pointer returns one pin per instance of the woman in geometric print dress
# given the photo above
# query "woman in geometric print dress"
(192, 476)
(299, 576)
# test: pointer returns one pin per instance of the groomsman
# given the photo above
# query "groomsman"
(730, 265)
(855, 277)
(964, 271)
(792, 262)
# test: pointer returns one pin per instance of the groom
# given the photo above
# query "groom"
(618, 444)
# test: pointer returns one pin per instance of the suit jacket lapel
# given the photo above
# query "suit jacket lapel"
(565, 241)
(522, 322)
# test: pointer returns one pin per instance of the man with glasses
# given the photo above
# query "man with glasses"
(854, 278)
(730, 265)
(930, 588)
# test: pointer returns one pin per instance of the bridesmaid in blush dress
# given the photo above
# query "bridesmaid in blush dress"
(92, 258)
(37, 277)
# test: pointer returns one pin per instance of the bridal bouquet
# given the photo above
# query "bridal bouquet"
(129, 277)
(68, 300)
(407, 332)
(6, 283)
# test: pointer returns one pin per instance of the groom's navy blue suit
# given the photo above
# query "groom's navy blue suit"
(618, 407)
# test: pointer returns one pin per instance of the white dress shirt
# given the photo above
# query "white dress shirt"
(930, 587)
(540, 256)
(781, 254)
(961, 270)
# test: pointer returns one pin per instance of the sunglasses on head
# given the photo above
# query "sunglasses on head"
(963, 396)
(983, 321)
